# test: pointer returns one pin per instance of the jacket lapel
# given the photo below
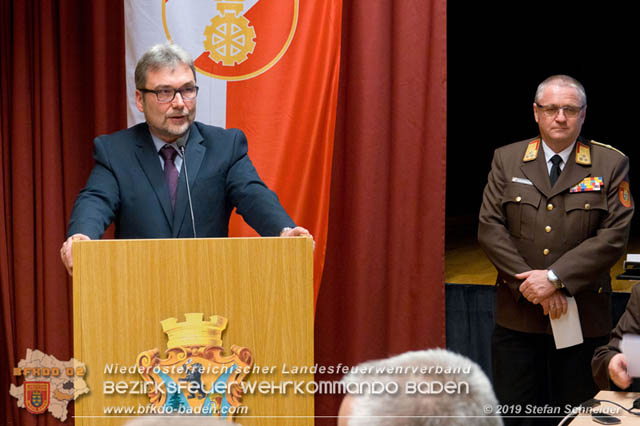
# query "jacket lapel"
(148, 159)
(194, 153)
(536, 172)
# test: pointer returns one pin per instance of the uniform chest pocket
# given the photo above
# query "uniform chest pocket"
(584, 214)
(520, 205)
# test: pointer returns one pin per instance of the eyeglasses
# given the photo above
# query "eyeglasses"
(553, 110)
(167, 95)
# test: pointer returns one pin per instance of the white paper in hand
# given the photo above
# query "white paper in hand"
(630, 347)
(566, 329)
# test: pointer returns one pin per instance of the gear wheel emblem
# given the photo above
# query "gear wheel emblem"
(229, 39)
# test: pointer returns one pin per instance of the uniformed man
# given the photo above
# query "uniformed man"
(554, 219)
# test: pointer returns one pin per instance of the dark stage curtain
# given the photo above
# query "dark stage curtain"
(61, 84)
(382, 291)
(470, 319)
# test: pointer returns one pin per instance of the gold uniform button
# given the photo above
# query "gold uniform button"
(547, 228)
(549, 206)
(587, 206)
(545, 252)
(518, 199)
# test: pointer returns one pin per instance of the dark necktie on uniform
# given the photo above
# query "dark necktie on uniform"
(555, 169)
(170, 171)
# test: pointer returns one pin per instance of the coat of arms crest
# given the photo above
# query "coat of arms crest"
(196, 377)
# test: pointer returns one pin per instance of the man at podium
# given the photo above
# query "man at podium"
(139, 181)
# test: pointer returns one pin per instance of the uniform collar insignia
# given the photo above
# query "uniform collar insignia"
(583, 154)
(532, 151)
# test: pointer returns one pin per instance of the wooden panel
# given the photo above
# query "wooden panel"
(263, 286)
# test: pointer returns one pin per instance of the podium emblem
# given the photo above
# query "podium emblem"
(195, 377)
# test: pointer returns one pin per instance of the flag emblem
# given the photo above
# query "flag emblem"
(232, 39)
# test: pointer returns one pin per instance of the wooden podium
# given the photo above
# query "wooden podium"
(123, 289)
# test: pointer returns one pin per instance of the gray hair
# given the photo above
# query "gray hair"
(562, 80)
(178, 421)
(416, 376)
(168, 55)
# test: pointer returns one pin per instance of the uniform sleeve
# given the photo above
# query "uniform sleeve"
(629, 324)
(493, 232)
(596, 255)
(255, 202)
(97, 204)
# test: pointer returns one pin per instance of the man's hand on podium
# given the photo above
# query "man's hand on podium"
(618, 371)
(66, 251)
(298, 231)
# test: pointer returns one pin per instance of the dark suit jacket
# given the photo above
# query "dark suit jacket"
(127, 187)
(629, 324)
(580, 236)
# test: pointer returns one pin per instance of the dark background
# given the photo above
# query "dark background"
(497, 55)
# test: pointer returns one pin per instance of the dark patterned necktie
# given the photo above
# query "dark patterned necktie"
(170, 171)
(555, 169)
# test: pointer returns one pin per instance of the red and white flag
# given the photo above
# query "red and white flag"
(269, 68)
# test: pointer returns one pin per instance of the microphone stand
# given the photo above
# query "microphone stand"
(186, 175)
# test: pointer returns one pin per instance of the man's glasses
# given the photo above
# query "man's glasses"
(553, 110)
(167, 95)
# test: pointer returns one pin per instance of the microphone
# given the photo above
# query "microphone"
(180, 145)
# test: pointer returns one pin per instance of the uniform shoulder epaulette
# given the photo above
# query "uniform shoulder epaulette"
(607, 146)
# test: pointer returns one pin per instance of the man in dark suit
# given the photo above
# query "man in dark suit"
(139, 182)
(609, 364)
(554, 219)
